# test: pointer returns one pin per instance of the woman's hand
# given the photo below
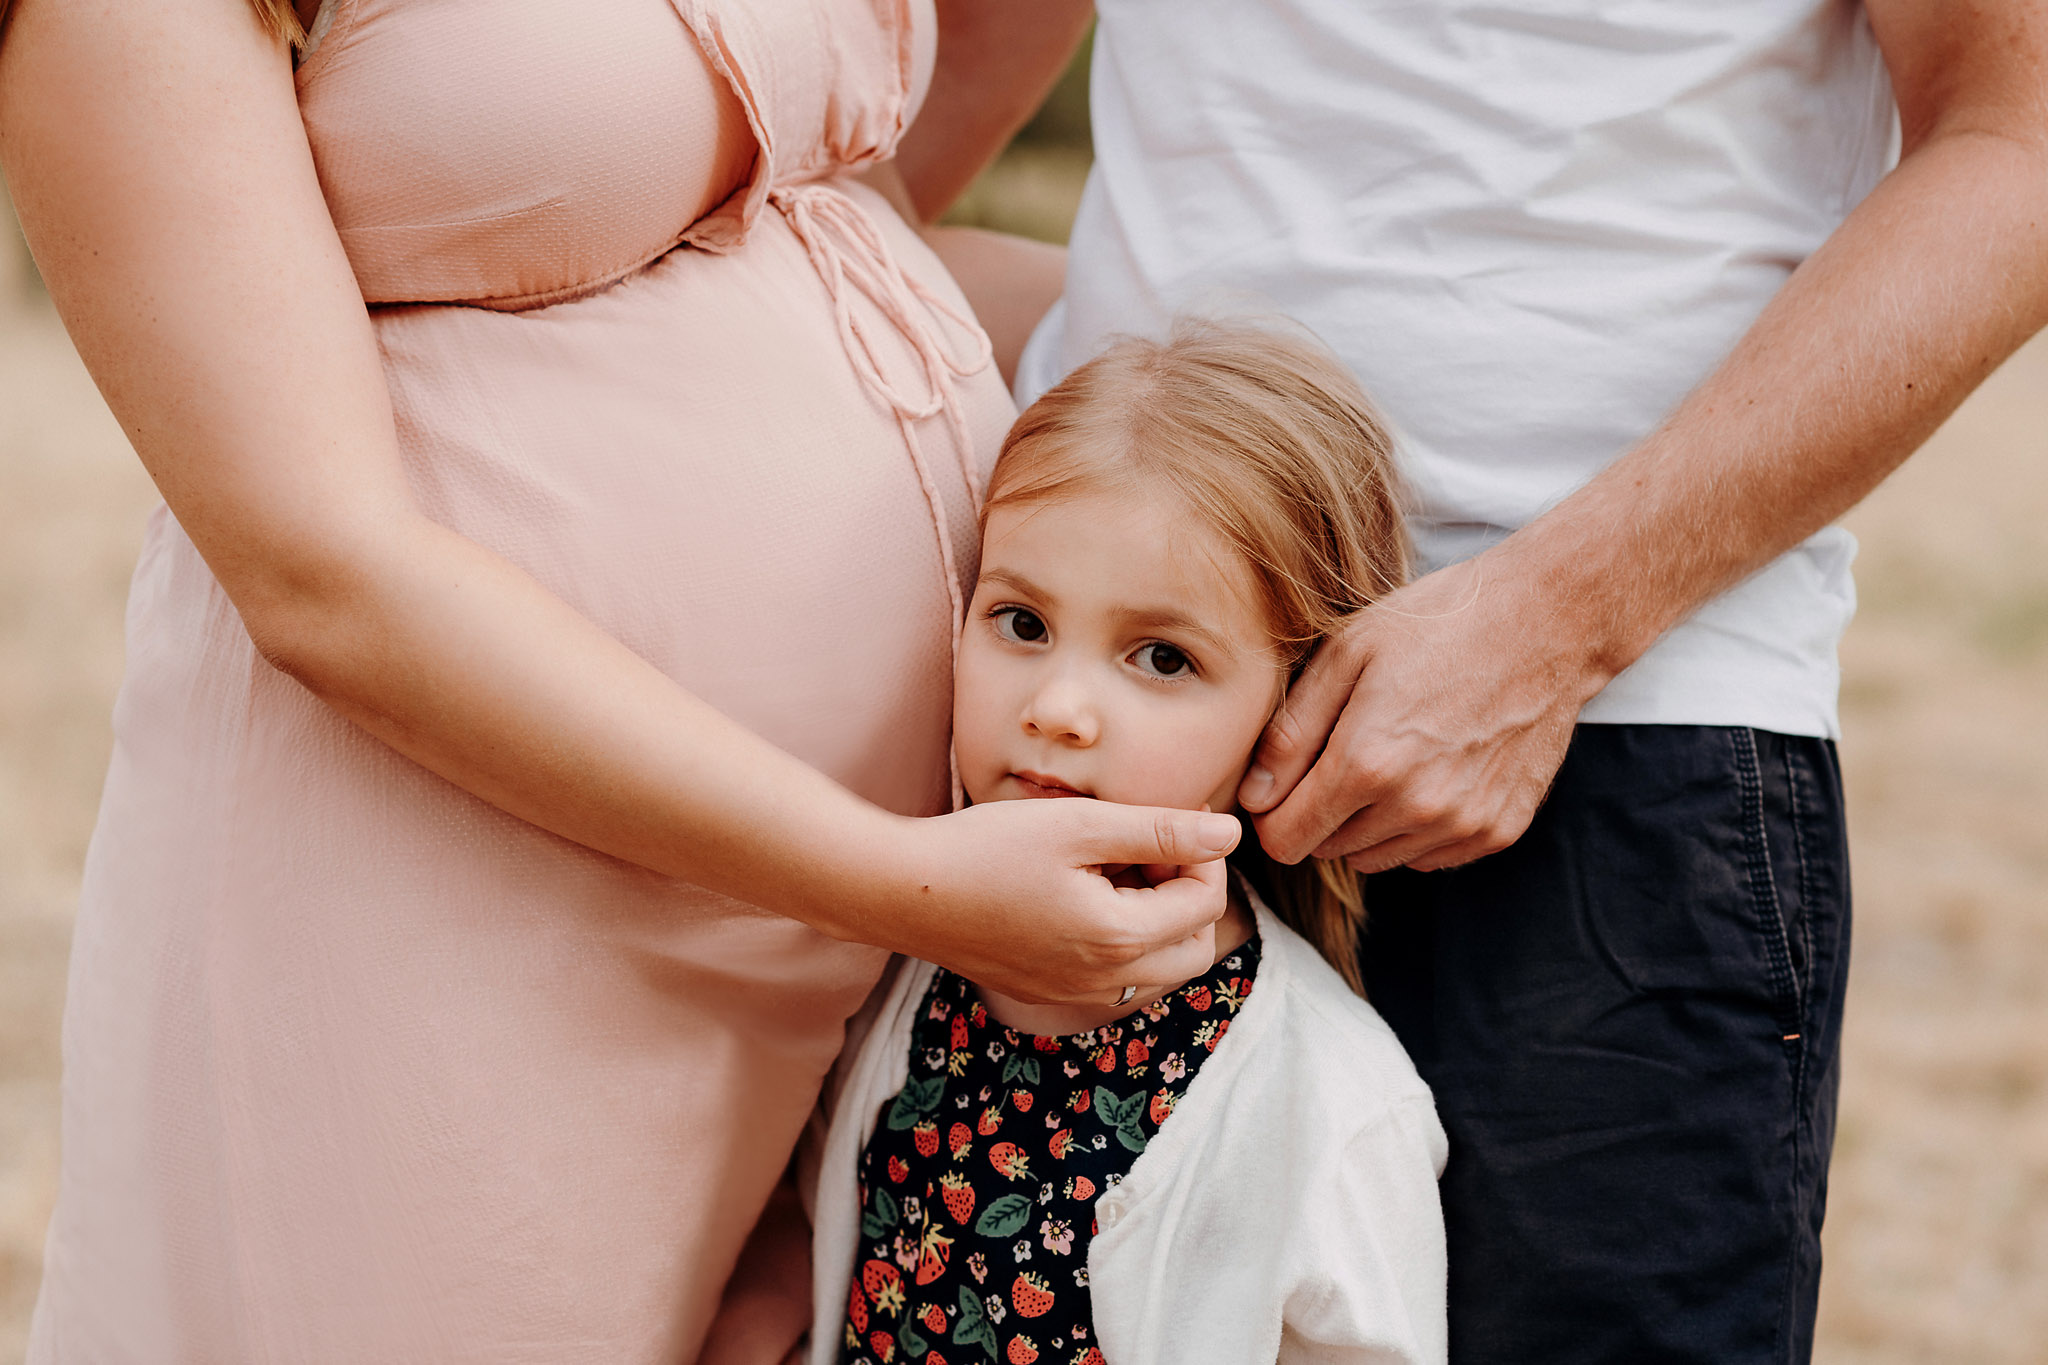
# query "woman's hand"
(1011, 896)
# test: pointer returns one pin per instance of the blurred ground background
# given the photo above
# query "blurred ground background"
(1937, 1232)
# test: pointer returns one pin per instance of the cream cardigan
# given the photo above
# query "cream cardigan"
(1286, 1210)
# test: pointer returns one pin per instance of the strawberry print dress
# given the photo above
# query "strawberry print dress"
(978, 1184)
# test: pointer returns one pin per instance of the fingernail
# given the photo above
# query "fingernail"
(1257, 786)
(1217, 833)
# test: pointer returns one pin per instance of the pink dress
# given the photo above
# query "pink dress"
(357, 1067)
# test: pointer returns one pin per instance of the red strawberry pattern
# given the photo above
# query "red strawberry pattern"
(968, 1242)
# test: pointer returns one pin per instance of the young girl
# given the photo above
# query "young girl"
(1234, 1169)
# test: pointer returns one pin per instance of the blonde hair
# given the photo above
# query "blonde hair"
(1269, 441)
(277, 15)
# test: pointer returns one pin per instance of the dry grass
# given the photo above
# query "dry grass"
(1937, 1237)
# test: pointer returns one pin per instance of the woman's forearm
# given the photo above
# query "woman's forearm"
(164, 179)
(464, 664)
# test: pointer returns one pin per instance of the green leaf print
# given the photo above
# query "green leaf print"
(912, 1342)
(916, 1099)
(1004, 1217)
(973, 1328)
(1031, 1070)
(1012, 1066)
(880, 1216)
(1114, 1112)
(1122, 1115)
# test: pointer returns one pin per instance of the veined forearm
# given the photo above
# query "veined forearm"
(996, 61)
(1871, 344)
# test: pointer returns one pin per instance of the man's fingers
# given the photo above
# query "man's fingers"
(1298, 730)
(1391, 853)
(1319, 804)
(1457, 854)
(1361, 832)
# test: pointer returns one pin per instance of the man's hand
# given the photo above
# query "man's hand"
(1427, 733)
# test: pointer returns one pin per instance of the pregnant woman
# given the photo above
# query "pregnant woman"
(531, 672)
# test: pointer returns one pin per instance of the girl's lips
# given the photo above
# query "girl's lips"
(1038, 785)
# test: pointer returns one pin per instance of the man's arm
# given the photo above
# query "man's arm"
(997, 61)
(1447, 707)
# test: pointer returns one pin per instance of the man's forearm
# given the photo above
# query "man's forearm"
(1927, 286)
(997, 59)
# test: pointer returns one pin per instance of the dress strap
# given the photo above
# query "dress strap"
(850, 256)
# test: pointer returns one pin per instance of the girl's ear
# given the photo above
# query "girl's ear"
(1281, 683)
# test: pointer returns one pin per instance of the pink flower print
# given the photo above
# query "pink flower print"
(1173, 1068)
(1058, 1235)
(977, 1266)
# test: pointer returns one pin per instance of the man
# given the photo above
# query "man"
(1635, 284)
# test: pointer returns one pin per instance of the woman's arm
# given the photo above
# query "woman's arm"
(163, 177)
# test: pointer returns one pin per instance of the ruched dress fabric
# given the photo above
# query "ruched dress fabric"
(358, 1067)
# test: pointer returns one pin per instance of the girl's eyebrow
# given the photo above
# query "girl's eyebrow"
(1018, 583)
(1172, 621)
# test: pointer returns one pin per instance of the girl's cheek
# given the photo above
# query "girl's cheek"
(1186, 765)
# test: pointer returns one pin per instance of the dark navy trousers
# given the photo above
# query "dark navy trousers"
(1632, 1019)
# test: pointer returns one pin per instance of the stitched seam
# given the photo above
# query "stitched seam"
(1803, 1150)
(507, 216)
(1800, 834)
(1764, 897)
(1763, 887)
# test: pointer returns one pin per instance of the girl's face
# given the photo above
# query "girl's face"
(1114, 649)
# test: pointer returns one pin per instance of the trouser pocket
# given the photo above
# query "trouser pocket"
(1629, 1019)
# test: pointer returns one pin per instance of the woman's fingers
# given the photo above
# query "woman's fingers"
(1173, 964)
(1200, 893)
(1027, 911)
(1154, 834)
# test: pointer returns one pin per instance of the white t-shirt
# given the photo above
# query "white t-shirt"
(1530, 227)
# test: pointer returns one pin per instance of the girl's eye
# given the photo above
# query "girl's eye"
(1162, 660)
(1019, 624)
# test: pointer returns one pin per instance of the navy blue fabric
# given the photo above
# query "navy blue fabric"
(1631, 1019)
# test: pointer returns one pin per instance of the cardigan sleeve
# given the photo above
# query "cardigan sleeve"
(1367, 1275)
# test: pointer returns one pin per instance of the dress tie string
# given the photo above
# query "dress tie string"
(847, 251)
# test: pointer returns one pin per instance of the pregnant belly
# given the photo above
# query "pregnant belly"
(688, 459)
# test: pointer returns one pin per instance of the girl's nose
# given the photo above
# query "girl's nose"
(1062, 712)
